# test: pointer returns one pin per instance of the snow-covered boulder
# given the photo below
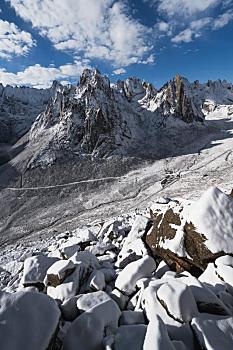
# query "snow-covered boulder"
(178, 300)
(28, 321)
(57, 273)
(71, 285)
(157, 337)
(212, 332)
(187, 236)
(88, 330)
(35, 269)
(86, 258)
(128, 277)
(97, 280)
(87, 301)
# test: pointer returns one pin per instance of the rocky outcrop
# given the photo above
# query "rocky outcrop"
(189, 237)
(177, 99)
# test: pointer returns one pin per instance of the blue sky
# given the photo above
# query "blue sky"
(43, 40)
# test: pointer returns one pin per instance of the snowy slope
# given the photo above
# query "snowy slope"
(19, 107)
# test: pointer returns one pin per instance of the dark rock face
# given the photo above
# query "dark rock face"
(176, 98)
(177, 241)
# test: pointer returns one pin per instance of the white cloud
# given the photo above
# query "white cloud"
(119, 71)
(163, 26)
(14, 41)
(184, 36)
(223, 20)
(100, 29)
(182, 7)
(42, 77)
(200, 23)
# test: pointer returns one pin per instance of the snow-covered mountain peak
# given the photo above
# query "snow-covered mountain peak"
(91, 78)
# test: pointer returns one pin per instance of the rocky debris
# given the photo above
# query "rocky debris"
(128, 277)
(130, 336)
(99, 318)
(188, 237)
(57, 273)
(87, 301)
(157, 336)
(178, 300)
(118, 295)
(35, 269)
(213, 333)
(28, 321)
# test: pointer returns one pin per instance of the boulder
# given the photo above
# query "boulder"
(87, 301)
(57, 273)
(128, 277)
(130, 337)
(212, 332)
(178, 300)
(28, 321)
(88, 330)
(188, 236)
(35, 269)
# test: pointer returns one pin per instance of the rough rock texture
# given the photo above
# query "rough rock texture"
(190, 237)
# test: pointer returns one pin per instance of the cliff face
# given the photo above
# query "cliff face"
(19, 107)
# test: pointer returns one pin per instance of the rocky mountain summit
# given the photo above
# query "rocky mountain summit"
(100, 119)
(125, 283)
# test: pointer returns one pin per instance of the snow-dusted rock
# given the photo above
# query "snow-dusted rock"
(88, 330)
(128, 277)
(157, 337)
(188, 236)
(58, 272)
(70, 247)
(28, 321)
(97, 280)
(100, 248)
(35, 269)
(87, 301)
(206, 300)
(212, 216)
(69, 308)
(213, 333)
(178, 300)
(153, 307)
(129, 317)
(120, 298)
(70, 285)
(225, 272)
(86, 258)
(130, 337)
(224, 260)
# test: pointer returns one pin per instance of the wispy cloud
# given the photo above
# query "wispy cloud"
(14, 41)
(102, 29)
(42, 77)
(119, 71)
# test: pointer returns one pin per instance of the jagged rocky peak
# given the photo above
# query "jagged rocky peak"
(176, 98)
(92, 78)
(135, 89)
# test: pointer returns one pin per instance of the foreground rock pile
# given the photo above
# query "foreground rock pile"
(157, 281)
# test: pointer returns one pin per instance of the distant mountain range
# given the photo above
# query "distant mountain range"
(103, 119)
